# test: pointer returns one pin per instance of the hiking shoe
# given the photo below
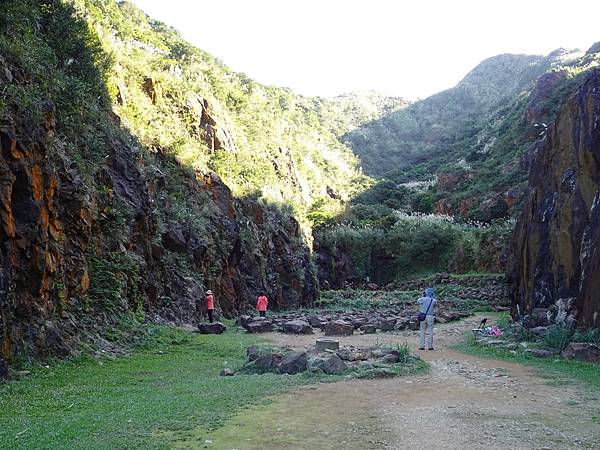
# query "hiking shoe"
(430, 348)
(421, 348)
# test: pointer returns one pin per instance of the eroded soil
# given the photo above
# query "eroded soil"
(464, 402)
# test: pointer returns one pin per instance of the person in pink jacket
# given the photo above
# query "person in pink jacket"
(261, 304)
(210, 305)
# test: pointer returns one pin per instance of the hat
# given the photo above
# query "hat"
(209, 292)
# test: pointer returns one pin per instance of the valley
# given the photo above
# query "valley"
(138, 172)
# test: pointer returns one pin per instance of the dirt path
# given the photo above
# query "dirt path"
(464, 402)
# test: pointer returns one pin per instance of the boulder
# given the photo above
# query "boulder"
(211, 328)
(339, 328)
(387, 324)
(330, 365)
(358, 322)
(352, 354)
(413, 325)
(252, 353)
(227, 373)
(259, 325)
(317, 321)
(391, 358)
(583, 351)
(268, 362)
(326, 344)
(245, 319)
(297, 327)
(367, 329)
(293, 363)
(401, 324)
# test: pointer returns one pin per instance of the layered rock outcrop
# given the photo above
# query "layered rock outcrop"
(556, 245)
(74, 255)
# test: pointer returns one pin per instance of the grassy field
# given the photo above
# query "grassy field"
(167, 392)
(172, 385)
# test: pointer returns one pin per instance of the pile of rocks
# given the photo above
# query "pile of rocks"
(343, 324)
(325, 357)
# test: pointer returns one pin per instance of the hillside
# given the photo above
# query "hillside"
(138, 171)
(473, 139)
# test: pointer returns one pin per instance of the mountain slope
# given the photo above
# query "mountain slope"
(471, 138)
(137, 171)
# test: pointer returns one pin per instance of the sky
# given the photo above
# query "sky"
(406, 48)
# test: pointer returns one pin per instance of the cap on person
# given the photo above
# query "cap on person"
(209, 292)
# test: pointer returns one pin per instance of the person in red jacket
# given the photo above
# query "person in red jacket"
(210, 305)
(261, 304)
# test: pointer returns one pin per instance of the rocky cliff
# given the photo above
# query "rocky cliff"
(109, 207)
(557, 239)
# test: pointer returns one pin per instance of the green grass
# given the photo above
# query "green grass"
(172, 385)
(168, 387)
(556, 370)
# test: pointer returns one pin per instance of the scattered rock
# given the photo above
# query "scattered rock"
(266, 363)
(391, 358)
(252, 353)
(317, 321)
(293, 363)
(330, 365)
(367, 329)
(351, 354)
(326, 344)
(387, 324)
(583, 351)
(227, 373)
(540, 353)
(259, 325)
(339, 328)
(401, 324)
(297, 327)
(244, 320)
(540, 331)
(211, 328)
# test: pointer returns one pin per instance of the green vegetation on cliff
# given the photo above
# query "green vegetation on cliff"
(474, 139)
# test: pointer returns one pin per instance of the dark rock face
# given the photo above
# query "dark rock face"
(69, 250)
(294, 363)
(556, 244)
(211, 328)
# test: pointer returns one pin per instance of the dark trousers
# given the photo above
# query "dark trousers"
(210, 315)
(262, 313)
